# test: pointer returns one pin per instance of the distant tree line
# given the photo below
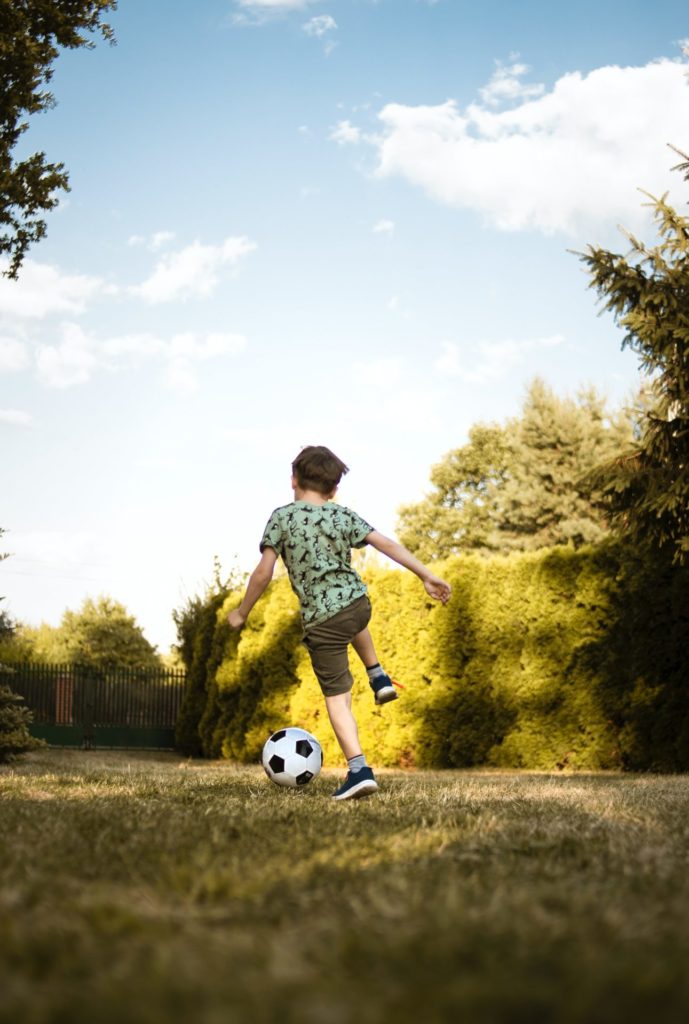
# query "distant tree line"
(101, 634)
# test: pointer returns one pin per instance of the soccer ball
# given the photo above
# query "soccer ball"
(292, 757)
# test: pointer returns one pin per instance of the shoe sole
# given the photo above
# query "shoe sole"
(385, 695)
(362, 789)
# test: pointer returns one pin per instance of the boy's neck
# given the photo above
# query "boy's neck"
(312, 497)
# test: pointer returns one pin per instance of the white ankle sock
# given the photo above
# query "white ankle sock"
(374, 672)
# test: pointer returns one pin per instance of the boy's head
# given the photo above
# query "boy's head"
(316, 468)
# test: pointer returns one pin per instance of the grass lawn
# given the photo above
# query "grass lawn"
(140, 888)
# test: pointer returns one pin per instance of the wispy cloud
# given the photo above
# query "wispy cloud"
(78, 355)
(490, 360)
(258, 12)
(275, 5)
(321, 27)
(568, 159)
(15, 417)
(506, 84)
(14, 355)
(384, 227)
(346, 134)
(158, 240)
(193, 271)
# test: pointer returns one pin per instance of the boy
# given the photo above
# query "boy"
(315, 536)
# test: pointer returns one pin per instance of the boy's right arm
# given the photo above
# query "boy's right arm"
(258, 581)
(436, 587)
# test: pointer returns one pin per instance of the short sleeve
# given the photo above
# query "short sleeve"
(359, 529)
(272, 535)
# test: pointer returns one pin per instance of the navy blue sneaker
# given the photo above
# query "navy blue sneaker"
(357, 784)
(383, 689)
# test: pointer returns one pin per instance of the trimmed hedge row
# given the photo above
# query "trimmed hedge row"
(544, 660)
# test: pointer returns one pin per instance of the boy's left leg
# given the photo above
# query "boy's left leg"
(381, 684)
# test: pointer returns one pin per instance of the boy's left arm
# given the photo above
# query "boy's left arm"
(434, 586)
(258, 581)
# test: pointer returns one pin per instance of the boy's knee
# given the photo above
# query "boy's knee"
(334, 686)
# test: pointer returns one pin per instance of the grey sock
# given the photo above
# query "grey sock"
(357, 763)
(374, 671)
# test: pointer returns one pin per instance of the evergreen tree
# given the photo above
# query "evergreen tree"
(523, 485)
(31, 35)
(15, 737)
(647, 488)
(546, 499)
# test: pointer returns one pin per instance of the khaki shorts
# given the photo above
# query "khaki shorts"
(327, 644)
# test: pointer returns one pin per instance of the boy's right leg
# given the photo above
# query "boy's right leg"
(339, 708)
(380, 683)
(360, 779)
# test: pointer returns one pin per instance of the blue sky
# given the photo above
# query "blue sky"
(290, 223)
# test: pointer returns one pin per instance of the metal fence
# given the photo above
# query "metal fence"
(81, 706)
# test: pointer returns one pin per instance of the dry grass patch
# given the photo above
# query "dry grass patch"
(148, 889)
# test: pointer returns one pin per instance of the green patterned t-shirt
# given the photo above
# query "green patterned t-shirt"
(315, 542)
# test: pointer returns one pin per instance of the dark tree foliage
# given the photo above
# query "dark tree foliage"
(647, 291)
(31, 35)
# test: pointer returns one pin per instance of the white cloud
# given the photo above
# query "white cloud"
(320, 25)
(70, 362)
(43, 289)
(346, 134)
(15, 417)
(275, 6)
(77, 355)
(505, 85)
(132, 349)
(13, 355)
(384, 227)
(490, 360)
(158, 240)
(570, 160)
(186, 349)
(192, 271)
(258, 12)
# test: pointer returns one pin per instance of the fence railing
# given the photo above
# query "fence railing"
(108, 707)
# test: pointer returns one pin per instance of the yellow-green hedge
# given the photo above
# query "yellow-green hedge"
(541, 660)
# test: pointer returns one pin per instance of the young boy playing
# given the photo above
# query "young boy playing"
(314, 536)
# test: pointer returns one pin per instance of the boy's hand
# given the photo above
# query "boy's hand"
(437, 588)
(236, 619)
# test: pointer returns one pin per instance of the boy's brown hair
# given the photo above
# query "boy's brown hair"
(316, 468)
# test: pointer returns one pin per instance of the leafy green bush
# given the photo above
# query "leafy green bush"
(542, 660)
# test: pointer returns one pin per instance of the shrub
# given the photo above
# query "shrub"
(543, 660)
